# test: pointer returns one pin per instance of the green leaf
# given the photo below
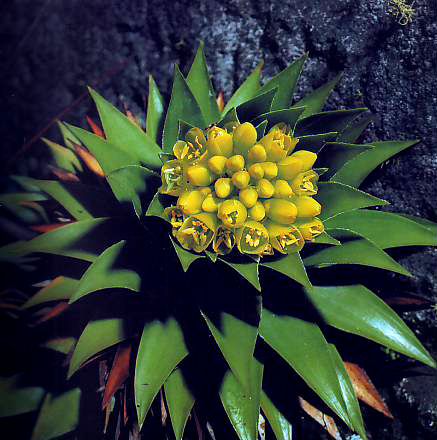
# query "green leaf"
(248, 270)
(18, 198)
(286, 82)
(428, 224)
(326, 122)
(130, 185)
(83, 202)
(67, 135)
(304, 348)
(121, 132)
(337, 198)
(236, 340)
(347, 390)
(186, 258)
(59, 415)
(357, 250)
(63, 157)
(325, 238)
(98, 234)
(183, 106)
(281, 427)
(61, 288)
(315, 142)
(289, 116)
(334, 155)
(355, 309)
(374, 225)
(356, 170)
(61, 345)
(107, 155)
(230, 116)
(241, 406)
(161, 349)
(355, 129)
(108, 272)
(199, 82)
(17, 398)
(155, 112)
(180, 401)
(96, 337)
(290, 265)
(246, 91)
(261, 129)
(156, 207)
(316, 100)
(258, 105)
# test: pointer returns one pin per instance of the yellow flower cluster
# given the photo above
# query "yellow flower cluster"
(236, 190)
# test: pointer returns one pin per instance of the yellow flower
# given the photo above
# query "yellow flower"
(241, 179)
(277, 144)
(244, 137)
(282, 189)
(223, 187)
(281, 211)
(172, 177)
(270, 170)
(234, 164)
(308, 158)
(265, 188)
(310, 229)
(211, 203)
(217, 164)
(256, 171)
(199, 175)
(248, 196)
(175, 216)
(257, 154)
(252, 238)
(190, 202)
(305, 184)
(289, 167)
(257, 212)
(223, 241)
(285, 239)
(190, 150)
(232, 213)
(197, 232)
(306, 206)
(219, 142)
(196, 136)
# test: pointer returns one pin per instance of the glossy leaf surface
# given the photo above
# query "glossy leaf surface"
(292, 266)
(185, 257)
(155, 112)
(278, 422)
(248, 270)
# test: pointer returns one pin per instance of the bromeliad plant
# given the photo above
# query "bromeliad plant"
(260, 182)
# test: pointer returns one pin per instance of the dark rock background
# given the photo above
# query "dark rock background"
(51, 49)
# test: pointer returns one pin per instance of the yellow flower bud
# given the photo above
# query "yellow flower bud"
(190, 202)
(265, 189)
(241, 179)
(205, 190)
(305, 184)
(172, 177)
(217, 164)
(223, 241)
(306, 206)
(234, 164)
(311, 228)
(257, 153)
(248, 196)
(277, 144)
(197, 232)
(289, 168)
(232, 213)
(219, 142)
(244, 137)
(257, 212)
(210, 203)
(256, 171)
(281, 211)
(199, 175)
(285, 239)
(270, 170)
(308, 158)
(223, 187)
(282, 189)
(195, 135)
(252, 238)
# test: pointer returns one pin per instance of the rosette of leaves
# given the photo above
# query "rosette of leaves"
(184, 328)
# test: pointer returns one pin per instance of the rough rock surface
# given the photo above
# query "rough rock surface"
(52, 49)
